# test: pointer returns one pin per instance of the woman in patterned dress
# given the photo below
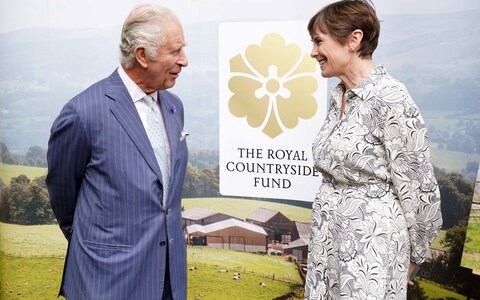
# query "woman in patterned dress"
(378, 208)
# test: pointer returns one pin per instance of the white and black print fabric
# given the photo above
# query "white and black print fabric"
(378, 207)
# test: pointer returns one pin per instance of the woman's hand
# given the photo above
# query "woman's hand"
(411, 269)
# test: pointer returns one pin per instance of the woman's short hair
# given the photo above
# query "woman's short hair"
(145, 25)
(341, 18)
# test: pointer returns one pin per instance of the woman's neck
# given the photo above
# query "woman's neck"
(357, 71)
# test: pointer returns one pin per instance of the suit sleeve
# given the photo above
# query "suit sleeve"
(67, 156)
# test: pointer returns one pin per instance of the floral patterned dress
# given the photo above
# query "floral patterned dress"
(378, 207)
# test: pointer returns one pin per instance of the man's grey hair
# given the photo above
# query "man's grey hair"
(145, 25)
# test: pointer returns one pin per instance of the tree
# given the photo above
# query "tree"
(25, 202)
(203, 158)
(20, 179)
(36, 156)
(41, 181)
(38, 210)
(456, 198)
(191, 182)
(201, 183)
(5, 155)
(470, 171)
(416, 292)
(15, 195)
(4, 209)
(209, 183)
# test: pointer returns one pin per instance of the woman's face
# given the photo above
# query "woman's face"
(332, 56)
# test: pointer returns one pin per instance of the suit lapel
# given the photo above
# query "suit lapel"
(124, 110)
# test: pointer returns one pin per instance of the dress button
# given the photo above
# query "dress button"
(162, 243)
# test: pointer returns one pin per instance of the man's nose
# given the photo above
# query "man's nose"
(183, 61)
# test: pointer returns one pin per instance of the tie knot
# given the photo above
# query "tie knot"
(150, 102)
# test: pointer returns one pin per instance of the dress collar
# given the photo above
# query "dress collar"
(363, 90)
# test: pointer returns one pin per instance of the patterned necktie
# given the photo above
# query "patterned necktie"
(158, 138)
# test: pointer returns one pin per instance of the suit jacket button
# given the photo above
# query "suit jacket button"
(162, 243)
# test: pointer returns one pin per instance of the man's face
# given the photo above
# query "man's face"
(163, 71)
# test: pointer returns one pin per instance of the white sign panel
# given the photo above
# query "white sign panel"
(272, 102)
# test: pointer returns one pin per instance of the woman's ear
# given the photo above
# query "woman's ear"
(141, 56)
(355, 39)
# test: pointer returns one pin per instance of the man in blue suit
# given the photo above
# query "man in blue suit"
(120, 212)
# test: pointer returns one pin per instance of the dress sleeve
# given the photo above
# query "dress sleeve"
(408, 155)
(67, 157)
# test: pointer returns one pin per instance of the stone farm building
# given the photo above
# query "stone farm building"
(299, 245)
(300, 229)
(230, 234)
(278, 227)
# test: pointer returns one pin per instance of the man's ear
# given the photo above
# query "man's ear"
(355, 39)
(141, 56)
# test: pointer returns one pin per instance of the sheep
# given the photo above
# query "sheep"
(223, 271)
(236, 277)
(263, 284)
(192, 268)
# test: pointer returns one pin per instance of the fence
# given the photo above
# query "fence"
(20, 255)
(244, 270)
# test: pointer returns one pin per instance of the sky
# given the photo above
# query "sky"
(21, 14)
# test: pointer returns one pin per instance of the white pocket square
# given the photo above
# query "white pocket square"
(183, 135)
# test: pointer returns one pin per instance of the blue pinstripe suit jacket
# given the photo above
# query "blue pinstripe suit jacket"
(105, 189)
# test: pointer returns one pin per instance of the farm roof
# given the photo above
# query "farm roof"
(262, 214)
(297, 243)
(197, 213)
(303, 229)
(223, 225)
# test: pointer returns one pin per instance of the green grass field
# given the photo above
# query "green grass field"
(451, 161)
(39, 278)
(32, 241)
(433, 291)
(208, 283)
(264, 265)
(242, 208)
(31, 264)
(471, 250)
(30, 278)
(7, 172)
(443, 159)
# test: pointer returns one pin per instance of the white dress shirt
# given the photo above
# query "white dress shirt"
(137, 96)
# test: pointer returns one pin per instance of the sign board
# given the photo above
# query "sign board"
(272, 103)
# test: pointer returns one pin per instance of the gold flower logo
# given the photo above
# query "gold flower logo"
(272, 85)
